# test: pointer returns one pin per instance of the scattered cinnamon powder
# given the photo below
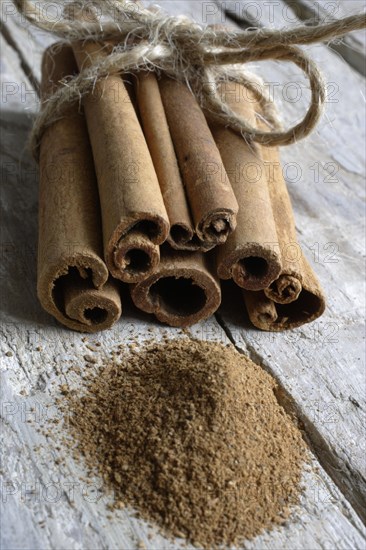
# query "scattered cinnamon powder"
(190, 435)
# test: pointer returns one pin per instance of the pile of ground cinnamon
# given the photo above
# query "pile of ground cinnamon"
(190, 434)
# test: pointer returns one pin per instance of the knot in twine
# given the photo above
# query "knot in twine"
(201, 56)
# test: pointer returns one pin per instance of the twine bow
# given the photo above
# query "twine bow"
(147, 39)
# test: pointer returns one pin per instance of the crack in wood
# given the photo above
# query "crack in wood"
(23, 62)
(243, 22)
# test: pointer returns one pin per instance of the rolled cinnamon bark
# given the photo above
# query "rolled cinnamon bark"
(211, 199)
(182, 291)
(250, 256)
(296, 296)
(134, 216)
(267, 314)
(182, 235)
(73, 283)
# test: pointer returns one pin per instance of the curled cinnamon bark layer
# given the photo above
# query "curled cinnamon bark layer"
(250, 256)
(73, 283)
(295, 297)
(134, 216)
(285, 289)
(211, 199)
(182, 291)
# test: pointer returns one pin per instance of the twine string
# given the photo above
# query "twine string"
(147, 39)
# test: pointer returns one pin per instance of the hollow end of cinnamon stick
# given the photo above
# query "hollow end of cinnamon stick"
(92, 308)
(284, 290)
(215, 228)
(183, 237)
(250, 265)
(132, 253)
(262, 311)
(78, 293)
(181, 292)
(135, 257)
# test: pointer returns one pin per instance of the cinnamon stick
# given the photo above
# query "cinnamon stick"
(250, 255)
(134, 217)
(182, 235)
(182, 291)
(73, 283)
(287, 287)
(296, 296)
(211, 199)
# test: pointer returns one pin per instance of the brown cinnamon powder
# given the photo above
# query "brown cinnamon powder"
(190, 434)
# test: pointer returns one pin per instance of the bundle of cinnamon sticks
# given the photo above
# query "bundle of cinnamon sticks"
(138, 186)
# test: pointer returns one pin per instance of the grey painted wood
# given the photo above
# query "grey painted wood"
(317, 367)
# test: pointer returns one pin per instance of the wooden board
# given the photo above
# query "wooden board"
(48, 505)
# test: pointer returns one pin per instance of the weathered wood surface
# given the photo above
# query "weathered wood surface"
(319, 368)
